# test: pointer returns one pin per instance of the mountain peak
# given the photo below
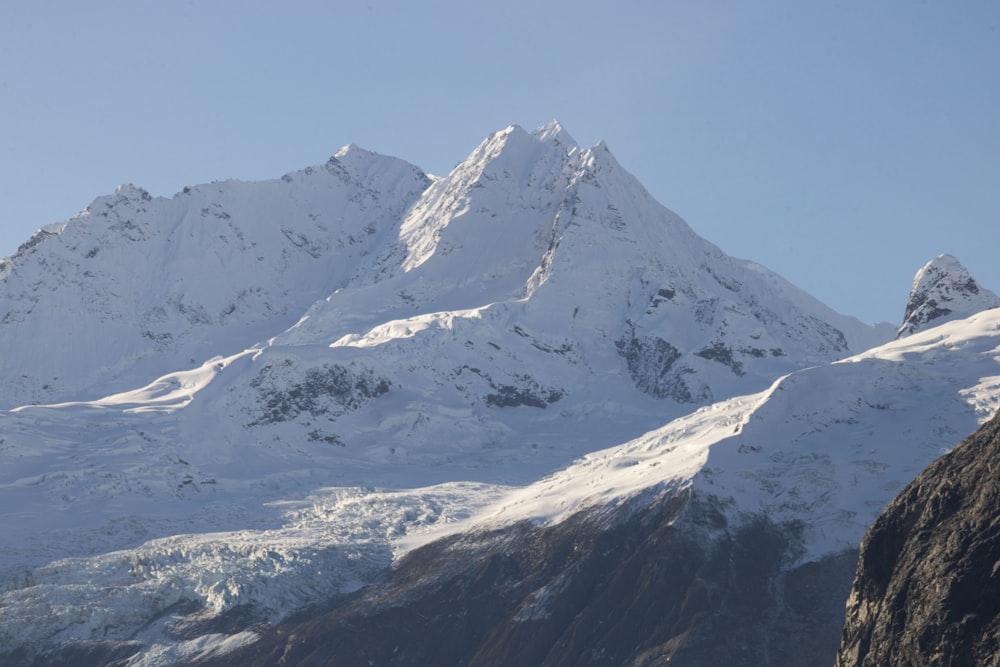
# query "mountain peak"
(368, 162)
(943, 290)
(554, 131)
(349, 149)
(132, 192)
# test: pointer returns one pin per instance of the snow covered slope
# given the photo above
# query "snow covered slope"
(725, 537)
(136, 286)
(826, 447)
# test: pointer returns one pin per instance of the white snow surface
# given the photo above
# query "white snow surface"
(338, 366)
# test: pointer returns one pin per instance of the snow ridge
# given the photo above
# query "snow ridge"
(82, 313)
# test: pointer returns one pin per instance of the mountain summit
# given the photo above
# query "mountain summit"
(563, 237)
(942, 291)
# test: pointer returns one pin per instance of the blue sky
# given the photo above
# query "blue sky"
(842, 144)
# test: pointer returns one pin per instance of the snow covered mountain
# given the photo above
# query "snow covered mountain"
(942, 291)
(136, 286)
(341, 365)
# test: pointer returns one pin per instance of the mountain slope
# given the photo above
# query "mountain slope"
(926, 589)
(642, 591)
(808, 462)
(725, 537)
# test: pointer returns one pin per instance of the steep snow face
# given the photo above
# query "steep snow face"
(583, 257)
(136, 286)
(943, 290)
(474, 238)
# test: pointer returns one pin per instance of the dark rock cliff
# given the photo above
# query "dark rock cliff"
(927, 590)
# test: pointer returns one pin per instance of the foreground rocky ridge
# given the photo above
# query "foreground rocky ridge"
(927, 590)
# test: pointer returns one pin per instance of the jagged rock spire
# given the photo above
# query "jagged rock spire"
(943, 290)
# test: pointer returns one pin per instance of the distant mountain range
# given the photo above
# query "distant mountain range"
(351, 391)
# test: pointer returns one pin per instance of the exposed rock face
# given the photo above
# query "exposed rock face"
(942, 291)
(927, 590)
(651, 590)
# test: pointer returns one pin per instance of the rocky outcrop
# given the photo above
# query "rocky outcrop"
(927, 590)
(327, 389)
(943, 291)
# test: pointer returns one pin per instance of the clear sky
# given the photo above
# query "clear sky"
(842, 144)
